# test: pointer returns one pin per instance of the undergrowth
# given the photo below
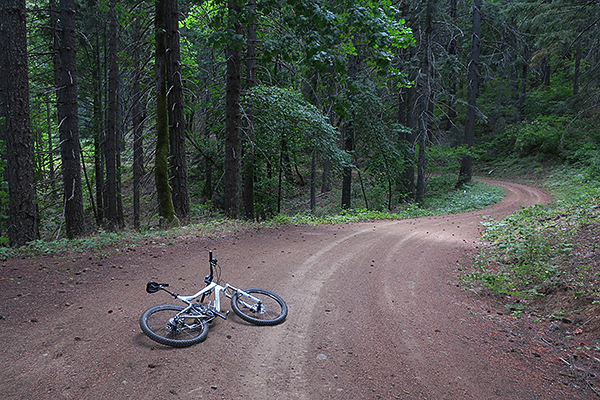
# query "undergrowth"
(539, 250)
(475, 195)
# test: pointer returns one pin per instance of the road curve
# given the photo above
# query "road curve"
(374, 313)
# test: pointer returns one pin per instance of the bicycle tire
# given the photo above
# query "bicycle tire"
(273, 309)
(157, 323)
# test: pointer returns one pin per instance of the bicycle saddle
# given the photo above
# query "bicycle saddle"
(153, 287)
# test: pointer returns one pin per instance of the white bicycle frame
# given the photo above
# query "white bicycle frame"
(226, 290)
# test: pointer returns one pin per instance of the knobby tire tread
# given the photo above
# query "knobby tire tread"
(166, 341)
(258, 321)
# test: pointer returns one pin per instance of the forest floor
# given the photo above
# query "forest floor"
(376, 311)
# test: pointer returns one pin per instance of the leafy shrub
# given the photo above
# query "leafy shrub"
(540, 136)
(538, 249)
(552, 101)
(518, 256)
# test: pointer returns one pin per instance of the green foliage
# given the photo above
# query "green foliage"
(540, 136)
(445, 199)
(548, 138)
(39, 248)
(376, 137)
(328, 31)
(282, 113)
(519, 257)
(474, 196)
(443, 159)
(531, 252)
(554, 101)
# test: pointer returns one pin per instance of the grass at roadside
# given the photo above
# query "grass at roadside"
(473, 196)
(543, 252)
(444, 199)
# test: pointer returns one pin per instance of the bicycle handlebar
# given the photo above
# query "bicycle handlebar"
(212, 261)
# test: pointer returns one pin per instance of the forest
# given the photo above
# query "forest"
(131, 114)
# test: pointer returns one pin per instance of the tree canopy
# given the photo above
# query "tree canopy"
(262, 102)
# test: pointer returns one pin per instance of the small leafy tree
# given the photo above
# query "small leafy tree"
(283, 115)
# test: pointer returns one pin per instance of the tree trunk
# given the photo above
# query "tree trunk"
(68, 116)
(347, 172)
(137, 119)
(546, 71)
(178, 167)
(313, 178)
(55, 43)
(233, 145)
(161, 166)
(452, 51)
(412, 107)
(349, 139)
(16, 132)
(249, 160)
(466, 168)
(424, 103)
(99, 134)
(576, 73)
(110, 149)
(523, 88)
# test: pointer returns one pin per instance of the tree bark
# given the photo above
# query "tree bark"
(349, 139)
(138, 121)
(576, 73)
(14, 107)
(110, 149)
(233, 147)
(99, 134)
(177, 140)
(248, 172)
(452, 51)
(466, 168)
(68, 116)
(53, 15)
(424, 103)
(408, 180)
(161, 166)
(523, 88)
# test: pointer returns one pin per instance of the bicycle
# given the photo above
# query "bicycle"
(182, 326)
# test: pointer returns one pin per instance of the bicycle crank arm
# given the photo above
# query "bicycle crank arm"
(218, 314)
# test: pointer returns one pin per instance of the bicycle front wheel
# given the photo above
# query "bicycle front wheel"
(269, 310)
(166, 325)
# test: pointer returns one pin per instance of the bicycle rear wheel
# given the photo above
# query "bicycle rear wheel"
(164, 324)
(270, 310)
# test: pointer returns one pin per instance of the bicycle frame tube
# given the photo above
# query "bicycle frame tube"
(218, 291)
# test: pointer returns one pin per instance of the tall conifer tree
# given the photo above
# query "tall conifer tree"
(15, 128)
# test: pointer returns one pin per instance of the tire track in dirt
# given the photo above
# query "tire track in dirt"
(312, 274)
(375, 316)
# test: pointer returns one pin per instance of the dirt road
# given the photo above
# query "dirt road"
(374, 313)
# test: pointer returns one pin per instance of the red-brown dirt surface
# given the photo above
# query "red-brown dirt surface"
(374, 313)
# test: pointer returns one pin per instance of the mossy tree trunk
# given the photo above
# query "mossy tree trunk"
(466, 167)
(68, 116)
(110, 144)
(177, 126)
(161, 163)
